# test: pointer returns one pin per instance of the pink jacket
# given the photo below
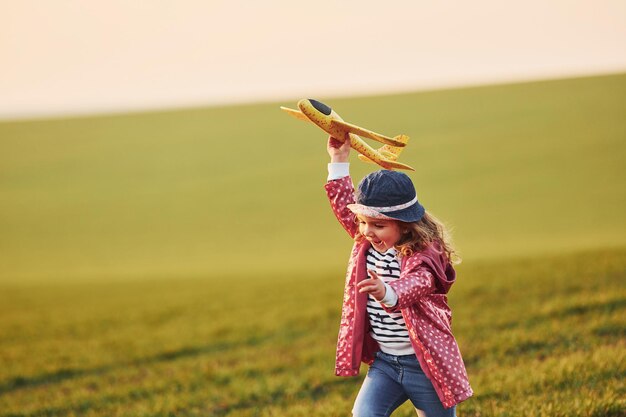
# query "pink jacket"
(425, 278)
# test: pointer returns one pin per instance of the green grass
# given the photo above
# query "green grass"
(540, 337)
(522, 169)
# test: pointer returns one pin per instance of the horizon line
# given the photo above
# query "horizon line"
(185, 105)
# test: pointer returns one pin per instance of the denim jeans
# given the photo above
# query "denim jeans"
(390, 381)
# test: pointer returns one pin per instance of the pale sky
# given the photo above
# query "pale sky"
(79, 56)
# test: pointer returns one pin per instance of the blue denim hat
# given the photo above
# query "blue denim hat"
(387, 194)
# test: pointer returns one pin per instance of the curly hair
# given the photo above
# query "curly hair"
(416, 236)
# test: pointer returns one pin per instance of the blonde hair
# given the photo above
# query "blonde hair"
(416, 236)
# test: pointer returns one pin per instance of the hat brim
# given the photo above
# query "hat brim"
(360, 209)
(408, 215)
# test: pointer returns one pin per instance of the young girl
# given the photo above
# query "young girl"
(397, 320)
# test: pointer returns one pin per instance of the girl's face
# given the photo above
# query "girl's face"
(382, 234)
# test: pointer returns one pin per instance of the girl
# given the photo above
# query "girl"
(398, 319)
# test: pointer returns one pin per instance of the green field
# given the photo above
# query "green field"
(541, 336)
(186, 263)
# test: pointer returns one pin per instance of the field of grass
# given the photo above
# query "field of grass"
(520, 169)
(540, 337)
(186, 263)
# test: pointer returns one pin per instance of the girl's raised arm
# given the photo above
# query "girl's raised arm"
(339, 188)
(340, 193)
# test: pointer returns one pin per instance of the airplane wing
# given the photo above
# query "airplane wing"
(359, 131)
(295, 113)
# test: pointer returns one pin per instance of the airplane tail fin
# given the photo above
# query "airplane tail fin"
(395, 150)
(391, 153)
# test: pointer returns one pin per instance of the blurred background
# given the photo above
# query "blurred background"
(163, 224)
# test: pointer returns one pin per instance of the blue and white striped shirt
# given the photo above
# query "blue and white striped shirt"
(388, 329)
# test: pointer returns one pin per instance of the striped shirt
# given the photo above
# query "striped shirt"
(388, 329)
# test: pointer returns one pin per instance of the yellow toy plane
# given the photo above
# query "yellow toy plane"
(329, 121)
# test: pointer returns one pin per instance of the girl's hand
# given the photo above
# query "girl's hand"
(338, 151)
(374, 286)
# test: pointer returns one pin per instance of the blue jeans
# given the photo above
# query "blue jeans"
(390, 381)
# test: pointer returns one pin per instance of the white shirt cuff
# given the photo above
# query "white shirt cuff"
(338, 170)
(391, 298)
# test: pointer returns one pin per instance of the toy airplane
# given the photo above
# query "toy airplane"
(329, 121)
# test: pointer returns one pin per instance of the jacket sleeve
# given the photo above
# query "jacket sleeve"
(340, 193)
(413, 284)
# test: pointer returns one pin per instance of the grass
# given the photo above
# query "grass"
(540, 337)
(522, 169)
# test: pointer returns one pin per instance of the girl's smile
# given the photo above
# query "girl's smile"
(382, 234)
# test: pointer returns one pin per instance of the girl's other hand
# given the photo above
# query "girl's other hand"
(338, 151)
(374, 286)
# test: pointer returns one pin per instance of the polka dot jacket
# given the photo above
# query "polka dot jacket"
(425, 279)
